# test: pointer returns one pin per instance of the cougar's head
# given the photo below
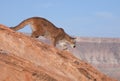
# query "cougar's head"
(72, 42)
(67, 42)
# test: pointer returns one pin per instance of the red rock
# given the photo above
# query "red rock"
(23, 58)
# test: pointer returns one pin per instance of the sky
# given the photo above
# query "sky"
(84, 18)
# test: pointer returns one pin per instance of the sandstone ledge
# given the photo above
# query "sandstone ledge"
(23, 58)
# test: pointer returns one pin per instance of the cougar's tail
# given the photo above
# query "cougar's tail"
(21, 25)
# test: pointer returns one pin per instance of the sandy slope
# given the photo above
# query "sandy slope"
(23, 58)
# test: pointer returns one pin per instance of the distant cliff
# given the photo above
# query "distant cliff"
(99, 50)
(103, 53)
(23, 58)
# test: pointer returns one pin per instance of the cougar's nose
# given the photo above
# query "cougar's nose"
(74, 46)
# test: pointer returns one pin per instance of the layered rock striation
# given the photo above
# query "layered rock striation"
(23, 58)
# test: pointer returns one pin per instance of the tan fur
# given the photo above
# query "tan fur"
(42, 27)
